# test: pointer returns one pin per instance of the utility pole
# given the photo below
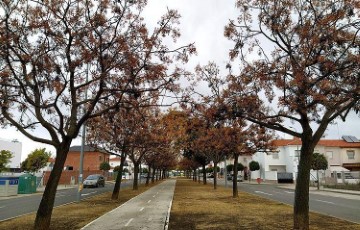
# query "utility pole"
(225, 172)
(80, 178)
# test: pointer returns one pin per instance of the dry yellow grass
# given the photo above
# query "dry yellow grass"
(196, 206)
(76, 215)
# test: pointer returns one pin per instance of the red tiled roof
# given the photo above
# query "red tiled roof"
(327, 143)
(115, 159)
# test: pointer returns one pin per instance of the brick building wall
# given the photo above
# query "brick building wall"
(92, 160)
(91, 165)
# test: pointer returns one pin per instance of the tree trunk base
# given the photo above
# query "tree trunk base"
(298, 220)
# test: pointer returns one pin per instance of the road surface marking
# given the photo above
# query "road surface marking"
(149, 201)
(264, 193)
(60, 195)
(2, 206)
(157, 193)
(289, 192)
(141, 209)
(129, 222)
(154, 195)
(86, 194)
(324, 201)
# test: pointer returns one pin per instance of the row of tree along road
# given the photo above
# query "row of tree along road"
(64, 63)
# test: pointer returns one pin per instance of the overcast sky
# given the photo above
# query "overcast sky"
(202, 22)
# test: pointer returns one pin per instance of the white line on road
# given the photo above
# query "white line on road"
(2, 206)
(86, 194)
(60, 195)
(264, 193)
(324, 201)
(141, 209)
(129, 222)
(149, 201)
(289, 192)
(154, 195)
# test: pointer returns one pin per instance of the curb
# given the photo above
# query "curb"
(166, 226)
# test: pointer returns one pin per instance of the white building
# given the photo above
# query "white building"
(15, 147)
(115, 161)
(244, 160)
(342, 155)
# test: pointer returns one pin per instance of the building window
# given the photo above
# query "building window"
(329, 154)
(100, 158)
(350, 154)
(297, 153)
(338, 175)
(275, 155)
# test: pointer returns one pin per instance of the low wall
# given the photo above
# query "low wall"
(271, 175)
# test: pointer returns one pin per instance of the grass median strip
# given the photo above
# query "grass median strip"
(76, 215)
(198, 206)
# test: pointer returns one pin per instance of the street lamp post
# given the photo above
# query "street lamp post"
(225, 173)
(80, 178)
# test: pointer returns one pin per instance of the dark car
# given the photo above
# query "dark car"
(239, 178)
(94, 180)
(229, 177)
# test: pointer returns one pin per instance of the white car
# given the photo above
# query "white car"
(94, 180)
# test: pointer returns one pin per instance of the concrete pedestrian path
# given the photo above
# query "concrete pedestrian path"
(149, 210)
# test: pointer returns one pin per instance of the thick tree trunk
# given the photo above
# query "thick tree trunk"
(204, 174)
(153, 175)
(235, 188)
(148, 176)
(44, 212)
(301, 204)
(199, 177)
(194, 175)
(116, 191)
(215, 175)
(136, 175)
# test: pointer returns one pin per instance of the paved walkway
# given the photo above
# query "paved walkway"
(324, 190)
(149, 210)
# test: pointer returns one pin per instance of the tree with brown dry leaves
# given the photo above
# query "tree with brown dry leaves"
(112, 132)
(299, 64)
(53, 53)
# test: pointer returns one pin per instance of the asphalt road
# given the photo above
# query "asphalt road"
(20, 205)
(343, 206)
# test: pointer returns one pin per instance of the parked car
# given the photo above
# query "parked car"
(94, 180)
(229, 177)
(239, 178)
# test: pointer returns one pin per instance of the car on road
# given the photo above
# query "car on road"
(210, 175)
(239, 178)
(94, 180)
